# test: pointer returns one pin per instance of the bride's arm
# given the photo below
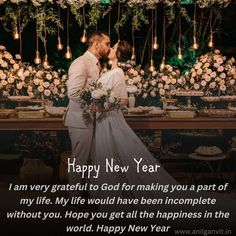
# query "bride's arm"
(123, 102)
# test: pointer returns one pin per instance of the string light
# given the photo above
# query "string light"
(155, 44)
(16, 34)
(133, 57)
(152, 67)
(83, 39)
(45, 61)
(37, 59)
(59, 44)
(162, 65)
(195, 45)
(68, 54)
(180, 56)
(211, 42)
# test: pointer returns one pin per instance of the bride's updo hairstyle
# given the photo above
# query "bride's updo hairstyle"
(124, 51)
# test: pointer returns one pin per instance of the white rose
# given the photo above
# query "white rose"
(47, 92)
(56, 82)
(36, 81)
(31, 94)
(10, 80)
(223, 87)
(3, 76)
(96, 94)
(222, 75)
(3, 82)
(232, 81)
(40, 88)
(16, 67)
(153, 93)
(162, 91)
(173, 81)
(213, 74)
(4, 64)
(203, 83)
(196, 86)
(145, 95)
(192, 81)
(160, 85)
(26, 73)
(46, 84)
(111, 99)
(49, 76)
(153, 82)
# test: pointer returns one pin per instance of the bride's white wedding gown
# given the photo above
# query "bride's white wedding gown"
(116, 142)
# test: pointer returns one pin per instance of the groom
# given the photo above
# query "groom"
(83, 71)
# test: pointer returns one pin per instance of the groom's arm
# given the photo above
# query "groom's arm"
(77, 78)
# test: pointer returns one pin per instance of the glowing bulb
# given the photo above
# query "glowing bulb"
(155, 45)
(195, 45)
(133, 57)
(83, 39)
(59, 44)
(37, 59)
(45, 61)
(110, 62)
(211, 43)
(16, 34)
(162, 66)
(152, 67)
(180, 55)
(68, 54)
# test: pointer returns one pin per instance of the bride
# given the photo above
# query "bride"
(122, 157)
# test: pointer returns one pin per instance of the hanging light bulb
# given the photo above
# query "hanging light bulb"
(68, 54)
(37, 59)
(195, 45)
(162, 65)
(211, 43)
(59, 44)
(110, 62)
(83, 39)
(16, 34)
(45, 61)
(152, 67)
(155, 45)
(133, 57)
(180, 55)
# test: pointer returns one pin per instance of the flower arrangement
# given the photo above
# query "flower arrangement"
(98, 98)
(9, 70)
(47, 83)
(165, 82)
(134, 76)
(17, 78)
(213, 74)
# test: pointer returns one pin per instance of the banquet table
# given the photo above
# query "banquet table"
(136, 122)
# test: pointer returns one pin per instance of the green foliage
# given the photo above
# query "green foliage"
(95, 13)
(77, 14)
(139, 17)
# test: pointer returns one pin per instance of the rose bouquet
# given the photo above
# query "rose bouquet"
(98, 98)
(212, 74)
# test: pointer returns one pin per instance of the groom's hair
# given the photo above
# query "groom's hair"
(96, 36)
(124, 51)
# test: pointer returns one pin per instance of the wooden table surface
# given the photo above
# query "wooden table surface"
(135, 121)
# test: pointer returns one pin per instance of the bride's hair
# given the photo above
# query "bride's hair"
(123, 51)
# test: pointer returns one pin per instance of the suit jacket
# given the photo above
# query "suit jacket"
(82, 72)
